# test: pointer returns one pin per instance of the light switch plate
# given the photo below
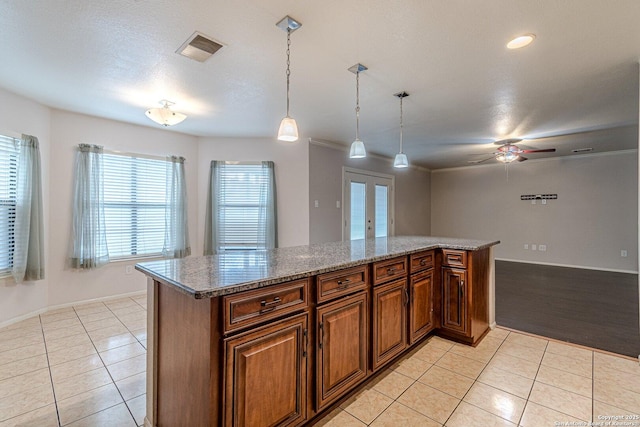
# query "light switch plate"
(534, 248)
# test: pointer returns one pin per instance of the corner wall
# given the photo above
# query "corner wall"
(593, 219)
(412, 193)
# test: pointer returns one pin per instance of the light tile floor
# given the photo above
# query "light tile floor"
(78, 366)
(510, 379)
(85, 366)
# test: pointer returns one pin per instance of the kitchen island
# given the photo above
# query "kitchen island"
(279, 337)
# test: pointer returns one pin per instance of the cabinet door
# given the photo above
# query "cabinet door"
(454, 300)
(342, 347)
(266, 375)
(421, 305)
(389, 321)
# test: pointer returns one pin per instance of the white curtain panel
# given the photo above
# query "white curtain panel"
(269, 207)
(28, 256)
(176, 240)
(211, 234)
(89, 242)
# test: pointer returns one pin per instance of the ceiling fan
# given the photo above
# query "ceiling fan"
(509, 152)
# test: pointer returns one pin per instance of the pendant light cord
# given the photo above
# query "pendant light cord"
(288, 65)
(401, 124)
(358, 105)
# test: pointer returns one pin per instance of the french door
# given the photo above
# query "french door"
(368, 204)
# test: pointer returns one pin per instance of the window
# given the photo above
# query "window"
(9, 151)
(134, 205)
(241, 213)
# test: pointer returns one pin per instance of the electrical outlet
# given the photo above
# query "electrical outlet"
(544, 201)
(526, 246)
(316, 203)
(128, 269)
(542, 248)
(338, 204)
(534, 248)
(623, 253)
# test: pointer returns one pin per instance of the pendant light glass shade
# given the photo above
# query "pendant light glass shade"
(288, 130)
(357, 150)
(164, 116)
(400, 161)
(357, 146)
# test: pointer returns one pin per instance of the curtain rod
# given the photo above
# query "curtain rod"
(138, 155)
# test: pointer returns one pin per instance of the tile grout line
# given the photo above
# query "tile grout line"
(46, 352)
(475, 380)
(109, 372)
(533, 384)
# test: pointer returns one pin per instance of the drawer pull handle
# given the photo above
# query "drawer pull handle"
(391, 271)
(423, 262)
(343, 284)
(268, 306)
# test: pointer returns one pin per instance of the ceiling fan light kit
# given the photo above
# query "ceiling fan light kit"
(521, 41)
(401, 160)
(164, 115)
(357, 150)
(288, 130)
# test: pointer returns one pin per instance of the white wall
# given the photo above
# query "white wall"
(19, 115)
(594, 218)
(67, 131)
(412, 195)
(292, 180)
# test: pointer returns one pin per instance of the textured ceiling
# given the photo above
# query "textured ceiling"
(117, 58)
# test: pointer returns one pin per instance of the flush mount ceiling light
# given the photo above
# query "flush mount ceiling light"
(400, 160)
(288, 130)
(357, 146)
(164, 116)
(521, 41)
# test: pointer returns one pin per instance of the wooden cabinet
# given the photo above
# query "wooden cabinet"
(389, 321)
(454, 301)
(283, 354)
(342, 348)
(421, 313)
(266, 375)
(465, 295)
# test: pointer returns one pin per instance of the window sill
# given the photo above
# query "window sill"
(136, 259)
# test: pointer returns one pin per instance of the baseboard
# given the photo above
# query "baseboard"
(583, 267)
(70, 304)
(147, 423)
(492, 326)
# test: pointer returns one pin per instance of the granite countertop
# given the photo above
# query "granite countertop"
(235, 271)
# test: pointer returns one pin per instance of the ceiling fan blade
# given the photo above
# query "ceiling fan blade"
(521, 159)
(507, 141)
(477, 162)
(547, 150)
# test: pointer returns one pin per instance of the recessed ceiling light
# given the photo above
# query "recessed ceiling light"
(521, 41)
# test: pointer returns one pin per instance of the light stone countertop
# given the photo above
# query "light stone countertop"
(236, 271)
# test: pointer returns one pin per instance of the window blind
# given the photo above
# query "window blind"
(9, 152)
(134, 205)
(242, 203)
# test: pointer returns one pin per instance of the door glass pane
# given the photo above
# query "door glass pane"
(382, 210)
(358, 210)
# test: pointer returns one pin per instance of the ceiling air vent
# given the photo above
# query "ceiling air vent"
(199, 47)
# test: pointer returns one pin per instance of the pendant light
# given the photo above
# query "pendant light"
(357, 146)
(288, 130)
(164, 116)
(401, 159)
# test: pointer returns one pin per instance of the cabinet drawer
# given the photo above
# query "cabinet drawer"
(454, 258)
(384, 271)
(421, 261)
(252, 307)
(343, 282)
